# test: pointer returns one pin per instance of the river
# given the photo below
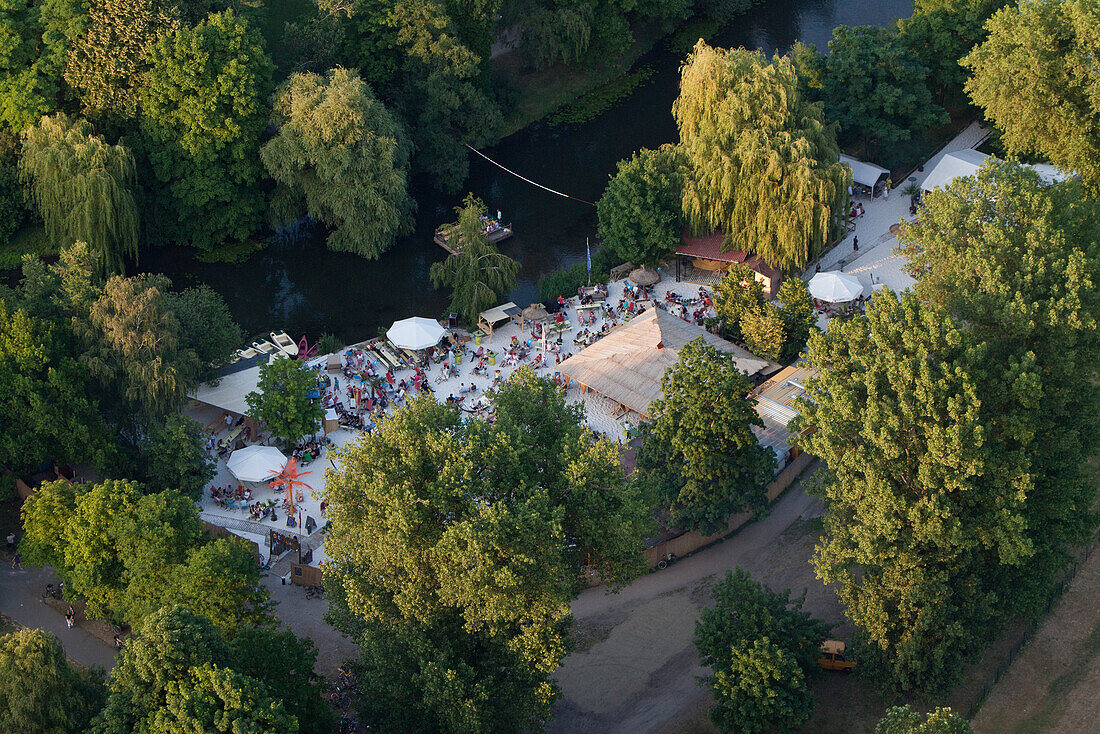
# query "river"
(306, 289)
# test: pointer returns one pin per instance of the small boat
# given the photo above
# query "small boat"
(284, 343)
(495, 231)
(264, 346)
(248, 353)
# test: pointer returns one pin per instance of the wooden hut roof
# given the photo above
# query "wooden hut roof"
(627, 365)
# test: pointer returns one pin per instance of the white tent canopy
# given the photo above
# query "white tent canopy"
(416, 333)
(952, 165)
(835, 287)
(867, 174)
(256, 463)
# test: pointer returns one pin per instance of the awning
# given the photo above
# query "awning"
(867, 174)
(499, 313)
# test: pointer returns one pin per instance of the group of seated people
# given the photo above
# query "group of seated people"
(228, 495)
(307, 451)
(260, 511)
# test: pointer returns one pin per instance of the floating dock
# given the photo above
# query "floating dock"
(499, 234)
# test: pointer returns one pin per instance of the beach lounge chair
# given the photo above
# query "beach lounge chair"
(284, 343)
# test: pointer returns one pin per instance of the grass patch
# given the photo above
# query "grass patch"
(600, 100)
(232, 252)
(29, 240)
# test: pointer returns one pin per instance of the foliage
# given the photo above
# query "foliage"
(600, 100)
(213, 699)
(477, 274)
(311, 44)
(462, 543)
(221, 581)
(203, 114)
(440, 95)
(764, 331)
(133, 345)
(928, 476)
(37, 37)
(566, 281)
(1033, 78)
(762, 162)
(39, 690)
(875, 88)
(1015, 260)
(903, 720)
(761, 648)
(799, 319)
(737, 293)
(640, 210)
(329, 344)
(82, 189)
(12, 211)
(206, 327)
(699, 446)
(108, 61)
(281, 401)
(174, 456)
(941, 32)
(48, 414)
(341, 157)
(284, 663)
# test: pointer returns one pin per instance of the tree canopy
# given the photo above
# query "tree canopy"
(204, 110)
(1034, 78)
(82, 189)
(903, 720)
(478, 274)
(174, 456)
(455, 547)
(282, 402)
(40, 691)
(342, 158)
(640, 210)
(699, 446)
(762, 163)
(206, 327)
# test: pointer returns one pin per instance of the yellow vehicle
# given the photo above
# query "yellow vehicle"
(832, 657)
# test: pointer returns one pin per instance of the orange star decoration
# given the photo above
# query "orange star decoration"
(290, 479)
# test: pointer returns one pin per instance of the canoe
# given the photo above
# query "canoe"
(284, 343)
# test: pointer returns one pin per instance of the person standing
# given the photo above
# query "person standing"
(70, 617)
(855, 244)
(11, 541)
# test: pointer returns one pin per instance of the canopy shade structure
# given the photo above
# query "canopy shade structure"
(951, 166)
(256, 463)
(835, 287)
(415, 333)
(644, 276)
(866, 174)
(535, 312)
(496, 314)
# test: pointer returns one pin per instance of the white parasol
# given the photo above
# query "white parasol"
(835, 287)
(256, 463)
(415, 333)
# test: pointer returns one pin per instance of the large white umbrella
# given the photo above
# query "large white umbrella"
(415, 333)
(835, 287)
(256, 463)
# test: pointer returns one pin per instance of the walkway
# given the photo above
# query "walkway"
(21, 599)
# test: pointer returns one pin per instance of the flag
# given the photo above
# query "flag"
(588, 255)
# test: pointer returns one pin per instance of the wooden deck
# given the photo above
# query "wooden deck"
(498, 235)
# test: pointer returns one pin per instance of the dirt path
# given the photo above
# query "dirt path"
(1051, 687)
(637, 666)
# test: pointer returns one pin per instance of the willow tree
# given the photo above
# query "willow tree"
(763, 164)
(81, 186)
(341, 157)
(477, 273)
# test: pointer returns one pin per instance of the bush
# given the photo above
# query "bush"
(329, 344)
(566, 281)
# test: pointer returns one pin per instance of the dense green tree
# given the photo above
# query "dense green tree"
(737, 293)
(440, 94)
(37, 38)
(903, 720)
(221, 581)
(555, 33)
(1016, 260)
(204, 110)
(761, 648)
(876, 88)
(477, 274)
(1034, 78)
(40, 691)
(206, 327)
(82, 188)
(371, 39)
(699, 445)
(12, 209)
(763, 165)
(174, 456)
(284, 663)
(133, 346)
(48, 412)
(281, 400)
(45, 514)
(342, 158)
(928, 476)
(310, 44)
(799, 319)
(640, 210)
(221, 700)
(941, 32)
(763, 329)
(108, 61)
(462, 543)
(170, 642)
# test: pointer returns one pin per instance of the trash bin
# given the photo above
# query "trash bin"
(477, 338)
(458, 357)
(492, 358)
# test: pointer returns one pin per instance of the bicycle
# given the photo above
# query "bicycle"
(666, 561)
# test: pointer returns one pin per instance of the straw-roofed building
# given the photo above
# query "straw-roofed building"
(627, 365)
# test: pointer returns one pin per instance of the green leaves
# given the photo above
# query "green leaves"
(700, 447)
(640, 215)
(39, 690)
(281, 400)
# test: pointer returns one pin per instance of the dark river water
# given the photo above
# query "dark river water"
(305, 289)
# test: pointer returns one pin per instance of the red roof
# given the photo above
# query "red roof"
(757, 265)
(709, 247)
